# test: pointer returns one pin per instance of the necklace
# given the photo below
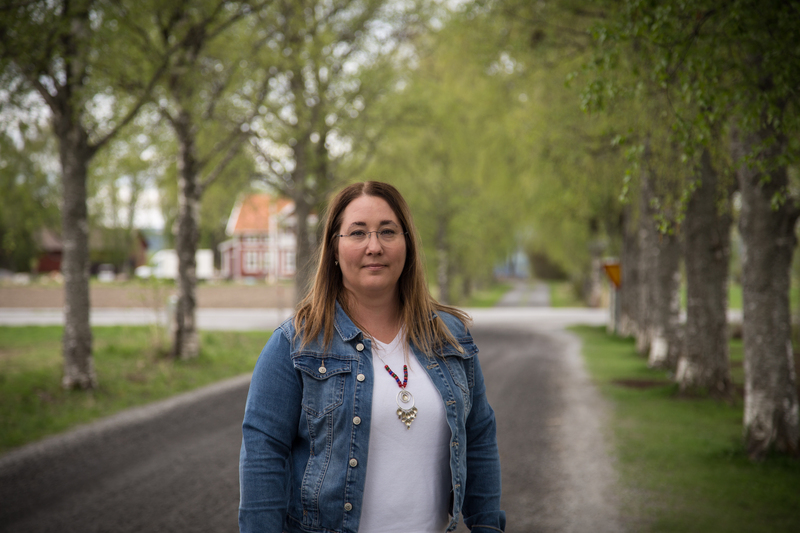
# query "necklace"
(406, 410)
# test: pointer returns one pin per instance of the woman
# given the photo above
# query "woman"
(367, 411)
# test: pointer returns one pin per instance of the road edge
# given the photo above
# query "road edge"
(93, 430)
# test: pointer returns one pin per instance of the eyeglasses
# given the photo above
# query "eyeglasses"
(386, 236)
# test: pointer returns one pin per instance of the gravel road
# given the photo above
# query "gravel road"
(172, 466)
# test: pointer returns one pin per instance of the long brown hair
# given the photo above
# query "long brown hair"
(316, 312)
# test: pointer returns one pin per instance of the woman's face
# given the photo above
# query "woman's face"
(370, 268)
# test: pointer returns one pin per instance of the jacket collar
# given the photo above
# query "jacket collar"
(347, 330)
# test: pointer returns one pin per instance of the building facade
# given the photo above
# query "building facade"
(263, 242)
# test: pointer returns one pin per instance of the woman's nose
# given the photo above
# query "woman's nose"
(374, 244)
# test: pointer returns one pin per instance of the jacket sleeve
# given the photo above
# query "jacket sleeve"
(271, 418)
(482, 492)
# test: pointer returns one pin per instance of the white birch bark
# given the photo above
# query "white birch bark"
(186, 341)
(79, 372)
(704, 363)
(767, 229)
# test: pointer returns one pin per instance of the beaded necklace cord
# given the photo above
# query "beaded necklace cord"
(397, 379)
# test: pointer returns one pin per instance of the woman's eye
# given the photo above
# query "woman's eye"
(358, 233)
(388, 232)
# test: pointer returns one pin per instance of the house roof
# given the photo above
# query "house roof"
(252, 213)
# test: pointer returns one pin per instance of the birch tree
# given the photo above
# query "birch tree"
(572, 163)
(66, 52)
(209, 96)
(451, 147)
(329, 63)
(736, 66)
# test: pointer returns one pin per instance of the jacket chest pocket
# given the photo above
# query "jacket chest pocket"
(323, 382)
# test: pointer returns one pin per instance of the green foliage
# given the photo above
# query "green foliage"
(28, 195)
(317, 125)
(682, 463)
(573, 167)
(135, 372)
(715, 69)
(450, 148)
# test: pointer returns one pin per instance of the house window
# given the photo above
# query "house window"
(288, 262)
(251, 261)
(251, 239)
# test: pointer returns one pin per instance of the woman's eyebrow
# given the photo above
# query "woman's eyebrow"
(364, 224)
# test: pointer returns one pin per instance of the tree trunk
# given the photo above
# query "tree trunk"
(665, 343)
(75, 154)
(768, 237)
(704, 363)
(186, 341)
(648, 259)
(628, 292)
(304, 256)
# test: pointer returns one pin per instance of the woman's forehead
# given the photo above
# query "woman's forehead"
(369, 210)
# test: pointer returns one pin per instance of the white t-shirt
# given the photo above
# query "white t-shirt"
(407, 489)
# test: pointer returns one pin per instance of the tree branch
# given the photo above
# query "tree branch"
(134, 109)
(215, 173)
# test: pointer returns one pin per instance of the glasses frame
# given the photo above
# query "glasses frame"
(367, 239)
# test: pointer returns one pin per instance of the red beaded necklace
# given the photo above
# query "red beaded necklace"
(405, 375)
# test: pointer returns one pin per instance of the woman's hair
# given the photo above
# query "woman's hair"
(317, 311)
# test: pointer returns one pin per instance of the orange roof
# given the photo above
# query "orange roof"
(252, 213)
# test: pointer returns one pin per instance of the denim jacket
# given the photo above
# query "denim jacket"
(306, 433)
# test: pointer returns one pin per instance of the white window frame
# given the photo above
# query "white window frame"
(252, 261)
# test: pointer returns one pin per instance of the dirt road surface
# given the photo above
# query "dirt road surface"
(172, 466)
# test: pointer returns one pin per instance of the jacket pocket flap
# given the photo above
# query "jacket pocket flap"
(320, 367)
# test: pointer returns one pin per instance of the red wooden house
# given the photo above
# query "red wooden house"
(104, 247)
(262, 240)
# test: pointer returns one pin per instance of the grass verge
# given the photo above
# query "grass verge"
(487, 297)
(563, 294)
(131, 370)
(681, 461)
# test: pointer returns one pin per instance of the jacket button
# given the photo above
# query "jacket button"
(361, 377)
(360, 347)
(353, 463)
(322, 370)
(348, 506)
(357, 420)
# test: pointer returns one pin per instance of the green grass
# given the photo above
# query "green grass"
(562, 294)
(735, 297)
(487, 297)
(131, 370)
(682, 463)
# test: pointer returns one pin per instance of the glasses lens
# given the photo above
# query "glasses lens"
(361, 237)
(387, 235)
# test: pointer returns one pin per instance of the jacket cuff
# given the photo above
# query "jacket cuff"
(492, 521)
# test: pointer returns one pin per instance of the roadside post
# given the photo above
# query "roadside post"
(614, 272)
